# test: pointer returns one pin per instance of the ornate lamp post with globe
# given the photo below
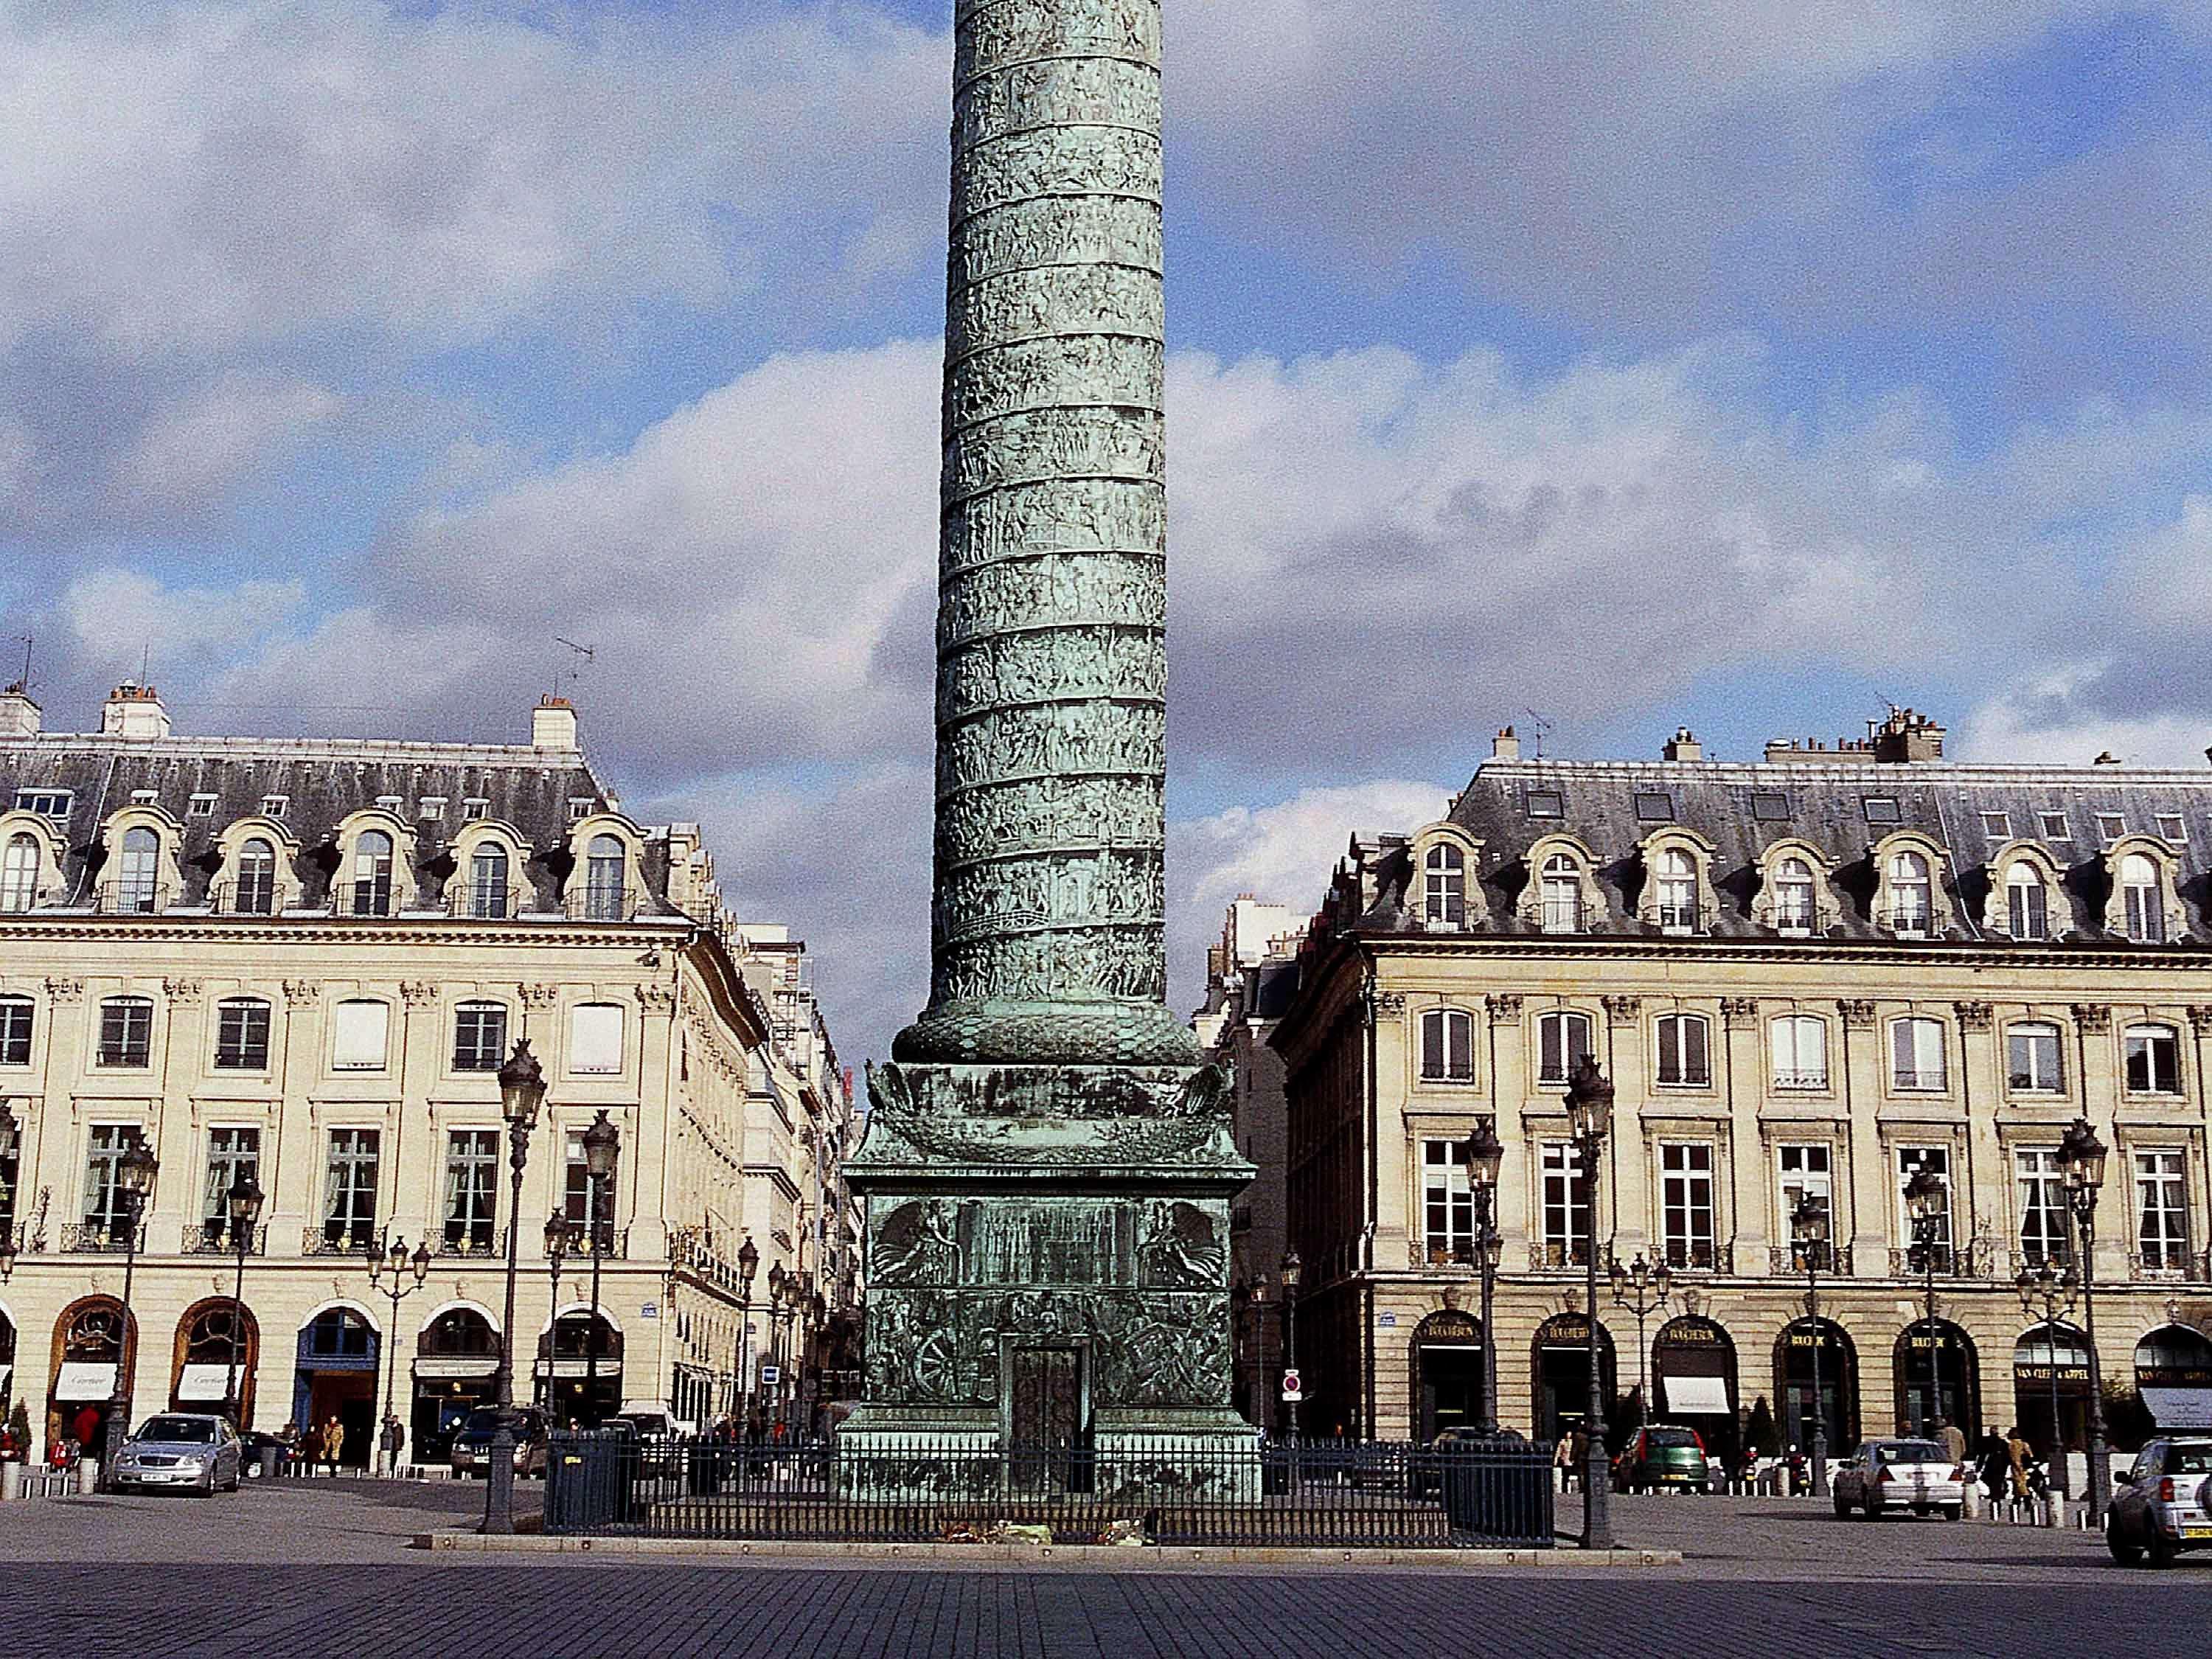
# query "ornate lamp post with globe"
(602, 1150)
(2081, 1158)
(748, 1264)
(134, 1181)
(1486, 1157)
(1589, 1119)
(1809, 1225)
(245, 1200)
(1925, 1200)
(521, 1093)
(1642, 1289)
(396, 1276)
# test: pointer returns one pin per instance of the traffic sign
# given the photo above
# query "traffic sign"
(770, 1376)
(1293, 1386)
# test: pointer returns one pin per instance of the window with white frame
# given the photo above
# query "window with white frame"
(2161, 1211)
(1916, 1055)
(479, 1037)
(349, 1189)
(19, 874)
(1444, 872)
(126, 1032)
(1937, 1160)
(1911, 895)
(2055, 826)
(489, 897)
(1447, 1046)
(1566, 1206)
(1562, 895)
(595, 1039)
(1686, 1203)
(106, 1209)
(1686, 1051)
(372, 874)
(1793, 896)
(1563, 1041)
(17, 1016)
(2035, 1059)
(360, 1031)
(2110, 826)
(606, 876)
(2173, 827)
(254, 891)
(232, 1153)
(1447, 1201)
(1677, 891)
(1800, 1044)
(138, 873)
(471, 1190)
(2154, 1059)
(241, 1034)
(2043, 1218)
(2144, 893)
(1805, 1170)
(2027, 901)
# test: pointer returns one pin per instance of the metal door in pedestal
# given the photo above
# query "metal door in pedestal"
(1048, 1415)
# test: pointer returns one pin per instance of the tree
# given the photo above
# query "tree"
(1759, 1432)
(19, 1426)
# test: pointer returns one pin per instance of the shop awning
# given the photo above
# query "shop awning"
(441, 1371)
(1697, 1396)
(608, 1369)
(85, 1380)
(208, 1384)
(2180, 1408)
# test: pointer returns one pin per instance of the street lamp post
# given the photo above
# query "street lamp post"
(560, 1237)
(11, 1141)
(1643, 1290)
(245, 1200)
(135, 1181)
(1486, 1157)
(1924, 1201)
(2049, 1292)
(396, 1276)
(521, 1093)
(1589, 1118)
(1293, 1270)
(601, 1149)
(777, 1279)
(748, 1263)
(2081, 1157)
(1808, 1224)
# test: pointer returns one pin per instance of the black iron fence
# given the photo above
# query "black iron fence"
(1461, 1494)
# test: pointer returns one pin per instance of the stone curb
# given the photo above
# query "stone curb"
(1042, 1555)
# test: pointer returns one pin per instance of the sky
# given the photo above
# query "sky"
(1600, 367)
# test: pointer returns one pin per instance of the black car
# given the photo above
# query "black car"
(472, 1444)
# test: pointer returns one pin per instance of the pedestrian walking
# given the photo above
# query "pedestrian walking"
(1953, 1438)
(334, 1437)
(2019, 1454)
(1563, 1461)
(394, 1438)
(1993, 1461)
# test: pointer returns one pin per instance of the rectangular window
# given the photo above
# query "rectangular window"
(1881, 809)
(105, 1207)
(16, 1014)
(350, 1190)
(2154, 1061)
(1997, 826)
(126, 1032)
(11, 1172)
(1566, 1206)
(1801, 1052)
(1563, 1042)
(1447, 1046)
(231, 1153)
(2042, 1219)
(1686, 1203)
(2036, 1059)
(474, 809)
(471, 1190)
(47, 803)
(2173, 828)
(431, 808)
(1806, 1173)
(202, 806)
(242, 1035)
(1685, 1051)
(1546, 804)
(276, 806)
(479, 1037)
(1447, 1201)
(1654, 807)
(2161, 1211)
(1917, 1060)
(1937, 1160)
(359, 1032)
(1770, 806)
(595, 1040)
(2110, 826)
(2054, 827)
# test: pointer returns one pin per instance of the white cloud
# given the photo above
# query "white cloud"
(118, 616)
(185, 459)
(2046, 719)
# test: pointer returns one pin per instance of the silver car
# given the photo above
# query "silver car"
(182, 1451)
(2166, 1506)
(1888, 1476)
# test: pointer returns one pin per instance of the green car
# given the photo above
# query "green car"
(1663, 1457)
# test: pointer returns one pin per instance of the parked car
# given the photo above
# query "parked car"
(471, 1453)
(1662, 1457)
(2166, 1507)
(1883, 1476)
(181, 1450)
(253, 1443)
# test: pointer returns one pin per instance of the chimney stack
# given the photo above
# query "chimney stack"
(1505, 746)
(553, 726)
(134, 713)
(19, 715)
(1683, 746)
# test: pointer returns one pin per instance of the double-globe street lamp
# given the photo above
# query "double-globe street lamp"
(395, 1275)
(1641, 1288)
(521, 1094)
(2046, 1292)
(1589, 1119)
(1486, 1157)
(1925, 1201)
(2081, 1161)
(1809, 1228)
(602, 1149)
(243, 1201)
(134, 1185)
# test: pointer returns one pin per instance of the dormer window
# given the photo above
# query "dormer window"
(1882, 809)
(276, 806)
(606, 877)
(2143, 894)
(2055, 827)
(202, 806)
(1444, 872)
(1677, 891)
(2110, 826)
(1770, 806)
(372, 874)
(2173, 827)
(2027, 902)
(1546, 804)
(1793, 896)
(137, 880)
(256, 891)
(1655, 807)
(489, 898)
(19, 874)
(1563, 894)
(1911, 895)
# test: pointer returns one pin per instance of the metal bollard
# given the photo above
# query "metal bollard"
(87, 1476)
(11, 1483)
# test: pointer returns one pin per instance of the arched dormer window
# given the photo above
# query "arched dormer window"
(2026, 901)
(254, 892)
(20, 862)
(258, 871)
(608, 880)
(32, 851)
(1448, 890)
(2143, 906)
(1910, 900)
(487, 883)
(376, 872)
(1562, 895)
(1678, 890)
(368, 885)
(1795, 898)
(138, 873)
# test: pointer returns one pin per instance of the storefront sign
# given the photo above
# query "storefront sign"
(1450, 1327)
(1565, 1331)
(2062, 1374)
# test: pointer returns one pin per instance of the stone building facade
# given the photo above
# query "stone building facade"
(1815, 974)
(306, 960)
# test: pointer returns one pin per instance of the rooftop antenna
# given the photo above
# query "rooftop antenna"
(1540, 726)
(24, 683)
(574, 671)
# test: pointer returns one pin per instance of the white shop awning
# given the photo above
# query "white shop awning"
(2180, 1408)
(85, 1381)
(207, 1384)
(607, 1371)
(439, 1370)
(1697, 1396)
